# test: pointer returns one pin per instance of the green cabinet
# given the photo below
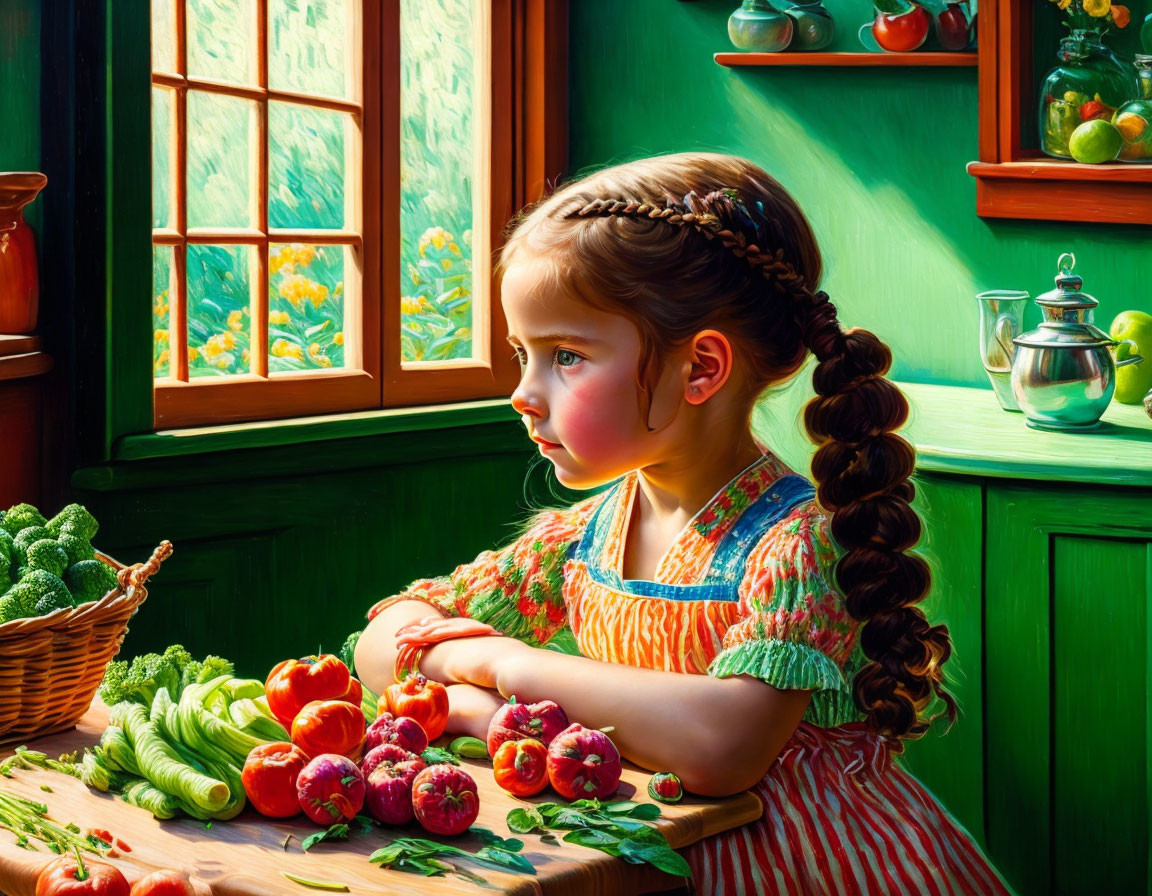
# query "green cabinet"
(1068, 581)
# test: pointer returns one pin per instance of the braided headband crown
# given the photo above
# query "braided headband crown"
(723, 215)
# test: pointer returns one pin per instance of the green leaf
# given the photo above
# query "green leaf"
(504, 859)
(525, 821)
(663, 857)
(595, 839)
(438, 756)
(488, 838)
(892, 7)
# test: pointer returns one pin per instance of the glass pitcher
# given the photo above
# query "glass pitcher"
(1001, 321)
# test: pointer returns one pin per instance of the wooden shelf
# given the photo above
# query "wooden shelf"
(1043, 188)
(847, 59)
(18, 345)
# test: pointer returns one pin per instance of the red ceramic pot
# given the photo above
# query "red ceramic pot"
(19, 280)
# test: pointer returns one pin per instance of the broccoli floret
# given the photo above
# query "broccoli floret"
(89, 580)
(21, 516)
(348, 651)
(24, 540)
(76, 548)
(38, 589)
(47, 554)
(5, 543)
(139, 681)
(197, 672)
(10, 608)
(5, 570)
(75, 519)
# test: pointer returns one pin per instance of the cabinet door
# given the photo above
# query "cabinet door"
(952, 765)
(1068, 580)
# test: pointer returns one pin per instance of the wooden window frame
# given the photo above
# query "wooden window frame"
(1016, 181)
(527, 149)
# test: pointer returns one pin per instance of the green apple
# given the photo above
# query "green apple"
(1133, 380)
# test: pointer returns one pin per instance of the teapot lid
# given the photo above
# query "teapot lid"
(1067, 294)
(1060, 334)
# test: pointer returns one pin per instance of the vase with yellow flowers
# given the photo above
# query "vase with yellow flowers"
(1091, 82)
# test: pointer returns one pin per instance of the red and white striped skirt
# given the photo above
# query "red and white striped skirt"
(842, 819)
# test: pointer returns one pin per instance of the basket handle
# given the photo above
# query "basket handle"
(139, 573)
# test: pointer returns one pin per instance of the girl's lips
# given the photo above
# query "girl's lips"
(544, 443)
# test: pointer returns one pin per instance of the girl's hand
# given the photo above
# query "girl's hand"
(434, 629)
(474, 661)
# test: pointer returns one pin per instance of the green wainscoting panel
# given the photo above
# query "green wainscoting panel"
(952, 765)
(276, 566)
(1067, 582)
(1100, 715)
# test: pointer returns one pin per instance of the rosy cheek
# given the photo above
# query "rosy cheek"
(593, 416)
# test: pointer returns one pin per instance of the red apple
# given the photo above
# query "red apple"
(330, 789)
(583, 763)
(389, 787)
(902, 32)
(953, 28)
(400, 730)
(393, 753)
(445, 800)
(514, 721)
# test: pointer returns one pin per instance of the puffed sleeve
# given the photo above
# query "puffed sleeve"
(516, 589)
(793, 631)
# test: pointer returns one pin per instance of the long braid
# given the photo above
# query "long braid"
(861, 468)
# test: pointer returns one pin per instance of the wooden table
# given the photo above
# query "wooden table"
(244, 857)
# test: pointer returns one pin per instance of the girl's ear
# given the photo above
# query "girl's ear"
(711, 365)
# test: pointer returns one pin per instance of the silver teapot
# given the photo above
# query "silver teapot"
(1063, 372)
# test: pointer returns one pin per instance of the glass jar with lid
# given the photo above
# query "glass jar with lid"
(1144, 74)
(1090, 82)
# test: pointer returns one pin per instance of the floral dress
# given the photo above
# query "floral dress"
(744, 590)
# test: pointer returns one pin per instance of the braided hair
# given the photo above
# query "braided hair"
(693, 241)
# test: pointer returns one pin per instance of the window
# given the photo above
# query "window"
(330, 182)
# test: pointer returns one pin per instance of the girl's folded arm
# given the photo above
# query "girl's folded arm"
(720, 735)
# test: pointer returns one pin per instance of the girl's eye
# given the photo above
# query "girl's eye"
(566, 358)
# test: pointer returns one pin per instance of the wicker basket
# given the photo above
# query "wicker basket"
(51, 666)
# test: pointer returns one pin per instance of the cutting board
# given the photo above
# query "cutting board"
(244, 856)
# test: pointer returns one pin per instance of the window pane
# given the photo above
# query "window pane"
(163, 36)
(436, 175)
(221, 40)
(305, 307)
(221, 131)
(161, 288)
(219, 319)
(161, 157)
(306, 159)
(307, 46)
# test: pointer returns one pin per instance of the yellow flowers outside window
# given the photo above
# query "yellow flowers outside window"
(278, 317)
(437, 237)
(282, 348)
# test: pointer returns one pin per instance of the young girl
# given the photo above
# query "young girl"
(736, 624)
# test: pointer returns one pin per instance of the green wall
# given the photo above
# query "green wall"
(875, 157)
(20, 90)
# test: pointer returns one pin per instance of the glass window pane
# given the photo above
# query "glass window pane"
(219, 316)
(162, 102)
(305, 306)
(308, 43)
(221, 132)
(221, 40)
(163, 36)
(306, 161)
(436, 174)
(161, 295)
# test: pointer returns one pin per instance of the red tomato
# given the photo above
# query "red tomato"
(163, 883)
(331, 789)
(60, 878)
(293, 683)
(903, 32)
(329, 726)
(521, 766)
(583, 763)
(269, 778)
(445, 800)
(420, 699)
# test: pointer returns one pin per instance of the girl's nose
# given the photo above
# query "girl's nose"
(526, 401)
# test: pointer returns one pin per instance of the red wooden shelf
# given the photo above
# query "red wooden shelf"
(847, 59)
(1042, 188)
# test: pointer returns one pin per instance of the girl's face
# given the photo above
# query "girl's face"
(578, 395)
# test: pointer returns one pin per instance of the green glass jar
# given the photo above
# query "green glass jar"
(1144, 73)
(1090, 82)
